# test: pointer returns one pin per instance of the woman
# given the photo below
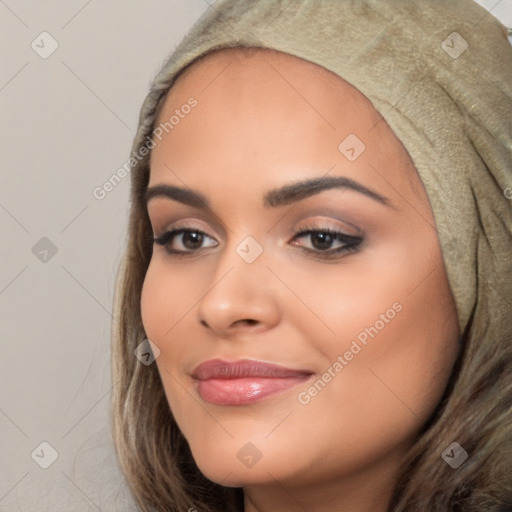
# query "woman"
(317, 283)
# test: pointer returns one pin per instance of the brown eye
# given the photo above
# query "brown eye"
(183, 241)
(322, 241)
(192, 239)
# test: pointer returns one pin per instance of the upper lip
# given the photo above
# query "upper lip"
(220, 369)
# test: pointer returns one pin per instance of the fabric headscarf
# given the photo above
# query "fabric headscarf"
(440, 74)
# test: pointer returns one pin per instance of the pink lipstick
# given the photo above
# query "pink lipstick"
(245, 381)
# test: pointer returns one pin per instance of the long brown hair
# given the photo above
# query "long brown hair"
(155, 457)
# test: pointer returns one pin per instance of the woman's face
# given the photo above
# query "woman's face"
(359, 310)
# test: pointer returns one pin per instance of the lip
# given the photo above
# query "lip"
(244, 381)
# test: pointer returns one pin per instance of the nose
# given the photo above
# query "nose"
(240, 296)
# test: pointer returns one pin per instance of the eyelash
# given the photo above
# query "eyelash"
(351, 242)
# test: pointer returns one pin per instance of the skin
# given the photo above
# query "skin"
(262, 121)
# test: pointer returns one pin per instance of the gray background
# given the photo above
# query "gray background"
(66, 125)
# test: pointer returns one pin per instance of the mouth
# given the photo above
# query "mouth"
(245, 381)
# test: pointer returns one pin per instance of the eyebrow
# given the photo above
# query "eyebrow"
(282, 196)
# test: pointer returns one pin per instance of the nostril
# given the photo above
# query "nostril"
(248, 321)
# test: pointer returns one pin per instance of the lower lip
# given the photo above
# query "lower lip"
(245, 390)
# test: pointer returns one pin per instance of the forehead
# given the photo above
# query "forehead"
(261, 61)
(232, 74)
(258, 110)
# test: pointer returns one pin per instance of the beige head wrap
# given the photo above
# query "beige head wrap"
(440, 73)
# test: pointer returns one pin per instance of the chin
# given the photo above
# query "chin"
(229, 465)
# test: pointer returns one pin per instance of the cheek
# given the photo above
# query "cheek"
(394, 324)
(164, 307)
(168, 304)
(390, 382)
(400, 347)
(153, 303)
(167, 296)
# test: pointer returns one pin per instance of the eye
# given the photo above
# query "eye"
(322, 241)
(187, 240)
